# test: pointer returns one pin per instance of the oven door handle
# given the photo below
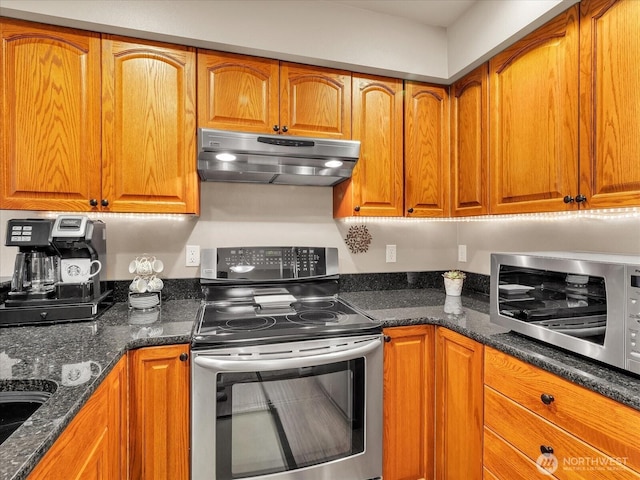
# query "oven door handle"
(224, 364)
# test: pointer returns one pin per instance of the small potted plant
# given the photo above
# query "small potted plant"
(453, 280)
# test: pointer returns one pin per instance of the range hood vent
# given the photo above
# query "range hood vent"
(225, 156)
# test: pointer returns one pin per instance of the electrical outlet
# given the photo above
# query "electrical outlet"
(192, 256)
(391, 253)
(462, 253)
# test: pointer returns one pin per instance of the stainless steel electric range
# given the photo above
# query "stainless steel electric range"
(286, 377)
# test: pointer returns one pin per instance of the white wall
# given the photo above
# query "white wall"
(306, 31)
(244, 214)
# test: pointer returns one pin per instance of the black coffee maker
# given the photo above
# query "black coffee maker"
(39, 294)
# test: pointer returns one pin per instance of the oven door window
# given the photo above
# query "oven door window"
(567, 303)
(277, 421)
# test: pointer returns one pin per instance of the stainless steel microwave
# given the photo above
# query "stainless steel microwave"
(587, 303)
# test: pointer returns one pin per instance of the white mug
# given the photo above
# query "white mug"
(155, 284)
(138, 285)
(78, 270)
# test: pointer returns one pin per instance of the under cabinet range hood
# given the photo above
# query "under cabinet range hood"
(225, 156)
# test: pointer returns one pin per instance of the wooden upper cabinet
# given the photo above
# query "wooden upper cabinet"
(408, 403)
(610, 99)
(149, 127)
(237, 92)
(251, 94)
(376, 185)
(315, 102)
(534, 120)
(459, 406)
(50, 117)
(470, 144)
(426, 150)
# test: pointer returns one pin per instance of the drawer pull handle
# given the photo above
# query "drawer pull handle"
(546, 450)
(547, 399)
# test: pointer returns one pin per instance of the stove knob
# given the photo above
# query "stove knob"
(184, 357)
(43, 315)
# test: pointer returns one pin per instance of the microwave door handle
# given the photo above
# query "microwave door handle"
(226, 365)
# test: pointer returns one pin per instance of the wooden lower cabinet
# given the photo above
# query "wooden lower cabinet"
(93, 446)
(408, 403)
(159, 413)
(528, 411)
(459, 409)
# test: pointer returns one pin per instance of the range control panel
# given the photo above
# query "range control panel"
(268, 263)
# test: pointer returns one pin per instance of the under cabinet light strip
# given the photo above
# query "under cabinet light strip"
(126, 216)
(608, 214)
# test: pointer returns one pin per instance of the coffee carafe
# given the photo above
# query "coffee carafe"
(36, 268)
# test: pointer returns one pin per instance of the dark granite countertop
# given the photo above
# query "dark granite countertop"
(36, 354)
(29, 355)
(469, 315)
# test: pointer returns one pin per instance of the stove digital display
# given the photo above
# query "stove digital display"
(256, 263)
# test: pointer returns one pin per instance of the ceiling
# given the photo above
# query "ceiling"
(436, 13)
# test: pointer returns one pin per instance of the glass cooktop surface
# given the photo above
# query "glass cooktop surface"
(226, 322)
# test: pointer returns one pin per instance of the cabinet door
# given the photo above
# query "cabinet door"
(534, 120)
(426, 156)
(376, 186)
(610, 96)
(459, 388)
(315, 102)
(237, 92)
(470, 144)
(93, 446)
(408, 403)
(159, 413)
(50, 117)
(149, 127)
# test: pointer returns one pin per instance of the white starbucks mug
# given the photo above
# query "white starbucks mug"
(78, 270)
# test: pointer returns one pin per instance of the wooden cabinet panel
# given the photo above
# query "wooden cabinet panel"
(458, 401)
(252, 94)
(609, 100)
(408, 403)
(529, 433)
(237, 92)
(376, 186)
(50, 117)
(159, 413)
(93, 446)
(149, 129)
(426, 155)
(470, 144)
(534, 120)
(572, 408)
(315, 102)
(503, 462)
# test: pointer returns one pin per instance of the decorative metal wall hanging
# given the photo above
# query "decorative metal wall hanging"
(358, 239)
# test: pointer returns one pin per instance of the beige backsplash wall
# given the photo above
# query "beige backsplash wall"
(243, 214)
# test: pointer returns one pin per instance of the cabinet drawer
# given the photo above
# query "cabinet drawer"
(599, 421)
(528, 433)
(502, 461)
